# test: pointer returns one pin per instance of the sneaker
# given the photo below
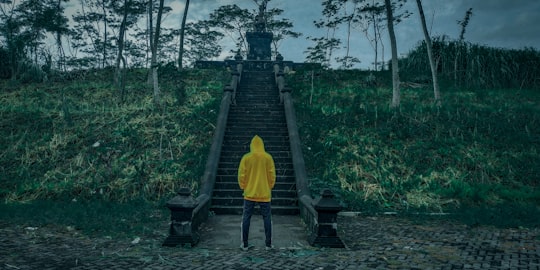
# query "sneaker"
(245, 248)
(271, 247)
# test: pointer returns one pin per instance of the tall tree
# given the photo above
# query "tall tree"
(460, 45)
(373, 18)
(322, 51)
(349, 17)
(201, 42)
(105, 33)
(91, 33)
(325, 46)
(154, 46)
(83, 37)
(231, 20)
(182, 35)
(123, 25)
(429, 46)
(25, 25)
(11, 30)
(280, 28)
(395, 67)
(58, 25)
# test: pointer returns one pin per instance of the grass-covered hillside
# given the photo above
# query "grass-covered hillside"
(480, 148)
(75, 139)
(74, 148)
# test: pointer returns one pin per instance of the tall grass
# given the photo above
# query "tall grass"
(475, 66)
(480, 148)
(76, 140)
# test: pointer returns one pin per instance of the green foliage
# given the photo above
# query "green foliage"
(477, 66)
(75, 140)
(480, 148)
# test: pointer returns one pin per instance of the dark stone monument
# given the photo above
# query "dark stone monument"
(327, 209)
(181, 230)
(260, 40)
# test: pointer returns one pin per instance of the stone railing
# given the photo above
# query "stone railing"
(187, 214)
(320, 215)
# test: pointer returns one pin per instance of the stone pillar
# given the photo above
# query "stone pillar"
(180, 231)
(326, 233)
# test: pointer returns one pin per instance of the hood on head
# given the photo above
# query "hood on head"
(257, 144)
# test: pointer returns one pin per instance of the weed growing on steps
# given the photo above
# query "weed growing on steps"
(480, 148)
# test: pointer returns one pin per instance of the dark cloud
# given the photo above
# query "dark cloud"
(498, 23)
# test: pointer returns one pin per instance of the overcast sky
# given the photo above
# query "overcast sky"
(498, 23)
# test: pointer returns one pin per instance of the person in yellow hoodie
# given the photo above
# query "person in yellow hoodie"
(256, 177)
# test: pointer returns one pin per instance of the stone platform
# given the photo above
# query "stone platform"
(373, 242)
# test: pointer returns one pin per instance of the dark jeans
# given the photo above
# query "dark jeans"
(266, 213)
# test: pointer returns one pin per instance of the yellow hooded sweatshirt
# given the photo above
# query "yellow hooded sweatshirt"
(257, 173)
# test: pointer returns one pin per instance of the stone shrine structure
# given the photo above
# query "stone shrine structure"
(260, 40)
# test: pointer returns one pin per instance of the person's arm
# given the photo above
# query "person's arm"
(242, 174)
(271, 174)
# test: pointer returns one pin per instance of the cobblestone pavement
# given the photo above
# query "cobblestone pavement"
(372, 243)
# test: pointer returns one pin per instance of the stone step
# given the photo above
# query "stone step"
(245, 129)
(232, 168)
(228, 193)
(244, 148)
(257, 116)
(237, 210)
(275, 154)
(257, 111)
(257, 123)
(242, 138)
(285, 179)
(238, 201)
(234, 159)
(227, 163)
(239, 137)
(234, 185)
(235, 133)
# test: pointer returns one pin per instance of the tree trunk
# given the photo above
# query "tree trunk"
(121, 35)
(157, 94)
(376, 41)
(61, 54)
(182, 32)
(104, 61)
(429, 46)
(150, 38)
(395, 67)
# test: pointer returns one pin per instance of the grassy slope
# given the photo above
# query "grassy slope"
(73, 145)
(74, 140)
(481, 148)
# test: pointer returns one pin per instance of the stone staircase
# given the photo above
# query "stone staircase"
(257, 112)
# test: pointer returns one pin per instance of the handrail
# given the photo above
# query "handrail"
(307, 212)
(321, 228)
(208, 180)
(294, 137)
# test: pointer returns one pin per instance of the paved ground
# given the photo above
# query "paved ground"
(372, 243)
